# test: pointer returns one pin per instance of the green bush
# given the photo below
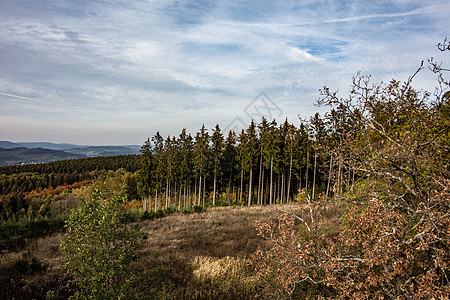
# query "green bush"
(148, 215)
(171, 210)
(199, 209)
(160, 214)
(24, 266)
(15, 235)
(99, 247)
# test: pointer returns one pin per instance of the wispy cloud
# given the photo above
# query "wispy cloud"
(418, 11)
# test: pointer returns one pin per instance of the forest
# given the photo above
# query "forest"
(19, 185)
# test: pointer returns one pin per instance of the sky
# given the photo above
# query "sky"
(114, 72)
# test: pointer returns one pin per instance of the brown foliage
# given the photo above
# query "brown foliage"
(378, 253)
(51, 191)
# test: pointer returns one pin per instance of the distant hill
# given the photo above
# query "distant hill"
(45, 145)
(22, 155)
(7, 145)
(93, 151)
(17, 153)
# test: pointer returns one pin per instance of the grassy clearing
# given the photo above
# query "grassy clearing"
(201, 255)
(187, 256)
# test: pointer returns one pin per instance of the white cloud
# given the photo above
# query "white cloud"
(298, 55)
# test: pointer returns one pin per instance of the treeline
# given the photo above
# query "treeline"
(264, 164)
(128, 162)
(26, 178)
(270, 163)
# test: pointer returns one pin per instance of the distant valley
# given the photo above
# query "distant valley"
(41, 152)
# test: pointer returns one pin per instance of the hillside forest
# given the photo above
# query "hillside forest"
(361, 194)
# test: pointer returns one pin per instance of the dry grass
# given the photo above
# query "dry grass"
(202, 255)
(218, 232)
(222, 270)
(187, 256)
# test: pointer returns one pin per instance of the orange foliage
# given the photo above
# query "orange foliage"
(51, 191)
(132, 204)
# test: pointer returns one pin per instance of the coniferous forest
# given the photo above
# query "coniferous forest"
(351, 204)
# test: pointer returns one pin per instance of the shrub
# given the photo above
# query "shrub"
(25, 266)
(160, 214)
(199, 209)
(148, 215)
(99, 247)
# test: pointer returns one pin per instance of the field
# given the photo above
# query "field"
(197, 255)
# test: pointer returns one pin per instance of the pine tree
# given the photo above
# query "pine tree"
(185, 149)
(217, 149)
(229, 160)
(271, 146)
(146, 173)
(250, 153)
(160, 165)
(263, 130)
(200, 152)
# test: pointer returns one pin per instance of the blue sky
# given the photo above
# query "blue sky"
(115, 72)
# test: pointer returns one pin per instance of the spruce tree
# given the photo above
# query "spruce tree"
(217, 149)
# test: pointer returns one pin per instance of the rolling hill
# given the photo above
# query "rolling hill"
(12, 153)
(22, 155)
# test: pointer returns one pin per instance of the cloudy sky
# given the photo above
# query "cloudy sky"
(116, 71)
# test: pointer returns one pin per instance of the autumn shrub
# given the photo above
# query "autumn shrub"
(394, 237)
(99, 247)
(377, 253)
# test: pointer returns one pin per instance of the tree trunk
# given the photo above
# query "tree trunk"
(195, 192)
(340, 176)
(189, 192)
(229, 181)
(300, 181)
(156, 199)
(174, 198)
(258, 202)
(277, 189)
(329, 175)
(306, 174)
(199, 190)
(250, 187)
(204, 191)
(271, 181)
(214, 192)
(289, 181)
(282, 186)
(169, 198)
(348, 178)
(184, 194)
(314, 178)
(262, 187)
(167, 193)
(242, 184)
(179, 198)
